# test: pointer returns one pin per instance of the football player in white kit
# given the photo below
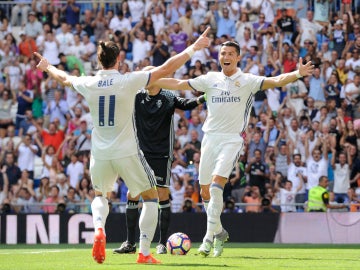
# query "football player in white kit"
(229, 100)
(115, 151)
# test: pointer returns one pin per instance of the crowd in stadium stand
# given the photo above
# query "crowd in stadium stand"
(296, 134)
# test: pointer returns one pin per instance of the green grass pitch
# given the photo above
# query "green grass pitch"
(235, 256)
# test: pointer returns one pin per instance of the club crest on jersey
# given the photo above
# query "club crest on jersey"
(158, 103)
(237, 84)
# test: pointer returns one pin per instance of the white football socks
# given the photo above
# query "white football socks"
(147, 223)
(100, 211)
(206, 205)
(213, 212)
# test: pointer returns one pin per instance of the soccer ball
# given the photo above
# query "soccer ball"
(178, 244)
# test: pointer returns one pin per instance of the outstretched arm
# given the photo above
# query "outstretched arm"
(284, 79)
(59, 75)
(175, 62)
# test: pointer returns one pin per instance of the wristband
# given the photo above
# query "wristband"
(298, 75)
(190, 51)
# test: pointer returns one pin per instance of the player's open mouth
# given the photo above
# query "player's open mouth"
(226, 63)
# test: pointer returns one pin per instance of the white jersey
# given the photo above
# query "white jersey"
(111, 98)
(229, 100)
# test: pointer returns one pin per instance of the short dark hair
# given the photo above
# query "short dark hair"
(231, 44)
(107, 53)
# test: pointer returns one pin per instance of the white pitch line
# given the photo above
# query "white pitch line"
(33, 252)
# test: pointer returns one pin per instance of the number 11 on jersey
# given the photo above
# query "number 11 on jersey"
(111, 110)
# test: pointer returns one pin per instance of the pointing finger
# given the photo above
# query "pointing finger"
(38, 55)
(206, 32)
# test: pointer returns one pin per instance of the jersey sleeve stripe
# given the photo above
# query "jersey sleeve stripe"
(261, 84)
(191, 86)
(147, 83)
(247, 111)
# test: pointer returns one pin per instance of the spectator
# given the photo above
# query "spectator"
(309, 28)
(82, 138)
(192, 147)
(71, 11)
(13, 75)
(26, 152)
(120, 23)
(141, 47)
(297, 174)
(317, 85)
(287, 195)
(198, 13)
(71, 200)
(158, 20)
(33, 27)
(238, 181)
(319, 197)
(50, 48)
(174, 11)
(177, 190)
(58, 109)
(258, 172)
(65, 38)
(24, 200)
(54, 198)
(186, 22)
(159, 51)
(4, 185)
(178, 39)
(21, 7)
(296, 93)
(12, 170)
(225, 26)
(43, 190)
(252, 198)
(341, 175)
(75, 171)
(286, 24)
(317, 164)
(62, 184)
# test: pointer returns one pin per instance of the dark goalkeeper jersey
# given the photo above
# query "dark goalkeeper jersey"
(155, 123)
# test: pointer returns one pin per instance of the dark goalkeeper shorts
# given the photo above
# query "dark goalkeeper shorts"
(162, 170)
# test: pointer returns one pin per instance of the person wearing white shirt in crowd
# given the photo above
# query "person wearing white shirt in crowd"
(297, 174)
(287, 195)
(141, 47)
(158, 19)
(198, 13)
(341, 174)
(90, 49)
(251, 8)
(351, 90)
(353, 64)
(65, 38)
(309, 27)
(316, 162)
(50, 48)
(78, 48)
(120, 23)
(267, 7)
(26, 152)
(75, 170)
(234, 9)
(137, 9)
(62, 184)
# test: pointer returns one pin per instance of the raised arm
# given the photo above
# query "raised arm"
(283, 79)
(175, 62)
(59, 75)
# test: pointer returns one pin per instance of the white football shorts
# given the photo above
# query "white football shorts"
(219, 154)
(134, 170)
